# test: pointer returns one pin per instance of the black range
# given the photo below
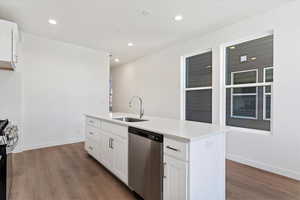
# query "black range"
(8, 141)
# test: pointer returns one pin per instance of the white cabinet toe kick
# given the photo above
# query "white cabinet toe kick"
(192, 170)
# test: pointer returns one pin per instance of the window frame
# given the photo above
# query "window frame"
(267, 94)
(265, 76)
(243, 71)
(224, 86)
(183, 84)
(243, 94)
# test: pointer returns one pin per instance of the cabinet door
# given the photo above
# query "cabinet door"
(175, 179)
(5, 41)
(93, 135)
(106, 150)
(15, 39)
(120, 158)
(91, 146)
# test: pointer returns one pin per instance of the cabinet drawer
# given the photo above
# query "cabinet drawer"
(92, 133)
(93, 122)
(92, 148)
(118, 130)
(176, 149)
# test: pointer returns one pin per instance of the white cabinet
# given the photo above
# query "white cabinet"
(111, 143)
(8, 49)
(120, 158)
(115, 155)
(6, 41)
(106, 151)
(176, 149)
(92, 122)
(195, 170)
(92, 140)
(91, 146)
(176, 156)
(175, 179)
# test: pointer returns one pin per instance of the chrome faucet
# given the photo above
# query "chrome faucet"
(141, 105)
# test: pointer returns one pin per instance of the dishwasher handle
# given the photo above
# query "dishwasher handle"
(147, 134)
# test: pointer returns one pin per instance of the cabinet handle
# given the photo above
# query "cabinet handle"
(90, 121)
(173, 149)
(91, 133)
(112, 143)
(164, 176)
(12, 48)
(91, 148)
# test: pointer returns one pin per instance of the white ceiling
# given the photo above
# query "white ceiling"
(110, 24)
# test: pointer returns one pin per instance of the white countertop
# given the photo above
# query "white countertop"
(176, 129)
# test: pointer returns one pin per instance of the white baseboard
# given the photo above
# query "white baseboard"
(276, 170)
(53, 143)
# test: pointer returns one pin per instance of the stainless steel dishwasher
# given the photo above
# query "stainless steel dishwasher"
(146, 163)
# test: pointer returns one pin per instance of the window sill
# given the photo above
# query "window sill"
(248, 130)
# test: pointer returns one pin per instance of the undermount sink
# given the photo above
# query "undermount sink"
(129, 119)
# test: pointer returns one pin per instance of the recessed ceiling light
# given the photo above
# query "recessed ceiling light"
(117, 60)
(178, 18)
(130, 44)
(52, 21)
(232, 47)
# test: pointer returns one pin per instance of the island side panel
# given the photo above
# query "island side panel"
(207, 168)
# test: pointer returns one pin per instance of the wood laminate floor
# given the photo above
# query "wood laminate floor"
(68, 173)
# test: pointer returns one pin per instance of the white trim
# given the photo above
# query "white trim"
(198, 88)
(265, 69)
(183, 88)
(249, 85)
(243, 117)
(264, 166)
(256, 106)
(265, 95)
(243, 71)
(268, 93)
(222, 83)
(264, 106)
(244, 94)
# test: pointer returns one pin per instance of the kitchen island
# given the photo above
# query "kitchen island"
(193, 153)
